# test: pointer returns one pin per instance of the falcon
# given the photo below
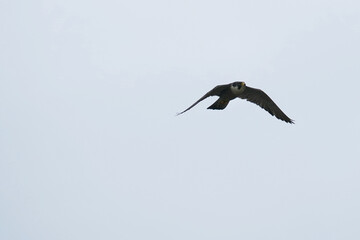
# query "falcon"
(230, 91)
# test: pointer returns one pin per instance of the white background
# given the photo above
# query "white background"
(90, 147)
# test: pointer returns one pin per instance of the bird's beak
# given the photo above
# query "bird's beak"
(242, 84)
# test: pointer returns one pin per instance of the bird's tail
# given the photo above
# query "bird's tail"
(219, 104)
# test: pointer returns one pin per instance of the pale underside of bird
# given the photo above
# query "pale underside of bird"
(230, 91)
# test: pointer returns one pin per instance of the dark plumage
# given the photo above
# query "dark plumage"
(233, 90)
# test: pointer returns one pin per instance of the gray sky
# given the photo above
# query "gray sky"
(90, 147)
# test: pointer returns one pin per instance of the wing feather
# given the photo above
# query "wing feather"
(260, 98)
(216, 91)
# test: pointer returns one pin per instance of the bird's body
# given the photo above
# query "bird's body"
(228, 92)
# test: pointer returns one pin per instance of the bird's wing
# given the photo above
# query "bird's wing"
(216, 91)
(260, 98)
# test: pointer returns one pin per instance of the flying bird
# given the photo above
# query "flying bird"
(230, 91)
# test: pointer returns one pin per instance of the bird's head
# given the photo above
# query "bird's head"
(238, 87)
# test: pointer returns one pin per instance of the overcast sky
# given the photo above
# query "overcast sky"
(90, 147)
